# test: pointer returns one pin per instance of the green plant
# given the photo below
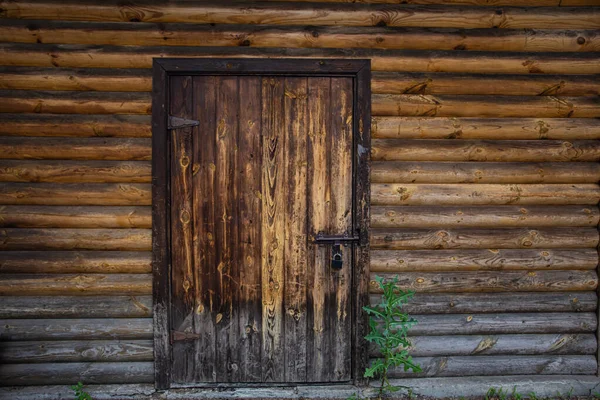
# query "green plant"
(532, 396)
(80, 394)
(389, 331)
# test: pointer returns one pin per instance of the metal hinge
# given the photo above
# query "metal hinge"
(178, 336)
(176, 122)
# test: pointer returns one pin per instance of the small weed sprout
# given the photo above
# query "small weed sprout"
(80, 394)
(389, 331)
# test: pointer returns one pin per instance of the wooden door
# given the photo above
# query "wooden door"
(269, 164)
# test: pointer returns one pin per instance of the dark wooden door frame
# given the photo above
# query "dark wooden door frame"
(360, 72)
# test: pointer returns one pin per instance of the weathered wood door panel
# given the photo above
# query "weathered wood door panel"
(270, 164)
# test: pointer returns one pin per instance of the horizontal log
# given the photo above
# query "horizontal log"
(103, 80)
(69, 56)
(76, 307)
(486, 281)
(407, 38)
(71, 262)
(66, 171)
(478, 324)
(500, 365)
(76, 239)
(75, 125)
(317, 14)
(75, 284)
(483, 260)
(77, 351)
(494, 3)
(485, 128)
(484, 194)
(524, 302)
(480, 172)
(67, 373)
(76, 148)
(436, 83)
(483, 150)
(83, 194)
(477, 345)
(523, 238)
(75, 329)
(423, 217)
(26, 101)
(75, 217)
(413, 105)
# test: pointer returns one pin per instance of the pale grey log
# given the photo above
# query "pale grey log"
(483, 259)
(500, 365)
(472, 345)
(76, 351)
(470, 324)
(75, 329)
(456, 303)
(137, 391)
(76, 307)
(69, 373)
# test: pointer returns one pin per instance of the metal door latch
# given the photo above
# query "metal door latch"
(336, 242)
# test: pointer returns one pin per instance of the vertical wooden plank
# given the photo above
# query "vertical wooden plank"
(339, 143)
(226, 223)
(249, 229)
(362, 184)
(160, 243)
(182, 275)
(295, 92)
(318, 346)
(203, 171)
(273, 219)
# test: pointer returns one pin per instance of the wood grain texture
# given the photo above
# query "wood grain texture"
(483, 260)
(481, 172)
(504, 323)
(67, 171)
(76, 351)
(507, 216)
(483, 150)
(75, 239)
(44, 307)
(484, 194)
(321, 37)
(75, 284)
(67, 56)
(76, 329)
(74, 217)
(70, 262)
(27, 101)
(103, 80)
(505, 238)
(524, 302)
(501, 365)
(441, 83)
(76, 194)
(485, 128)
(75, 148)
(73, 125)
(489, 3)
(477, 345)
(413, 105)
(484, 281)
(317, 14)
(65, 373)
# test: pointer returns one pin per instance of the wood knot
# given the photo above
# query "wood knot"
(580, 40)
(245, 43)
(314, 34)
(185, 217)
(420, 280)
(184, 161)
(469, 318)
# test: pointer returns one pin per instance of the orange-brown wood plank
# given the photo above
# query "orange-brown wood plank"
(249, 229)
(183, 280)
(318, 260)
(273, 223)
(295, 175)
(204, 174)
(340, 144)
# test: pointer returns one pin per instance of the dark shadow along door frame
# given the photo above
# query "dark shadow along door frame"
(360, 72)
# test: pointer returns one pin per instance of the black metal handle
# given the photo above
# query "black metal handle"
(344, 239)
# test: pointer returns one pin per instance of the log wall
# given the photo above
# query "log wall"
(485, 173)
